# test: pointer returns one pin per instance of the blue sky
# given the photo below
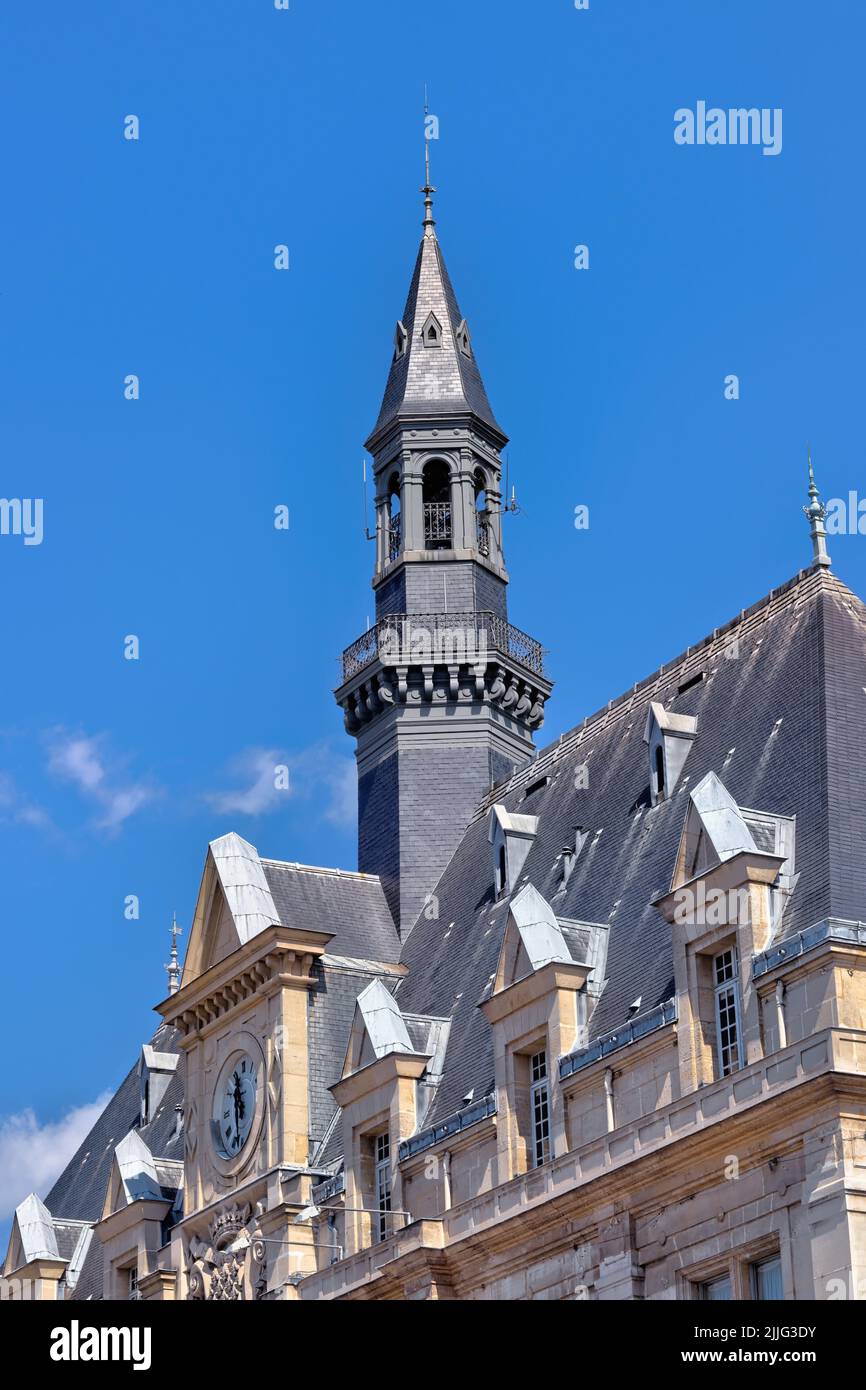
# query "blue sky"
(155, 257)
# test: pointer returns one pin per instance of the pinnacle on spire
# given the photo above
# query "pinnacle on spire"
(173, 968)
(816, 512)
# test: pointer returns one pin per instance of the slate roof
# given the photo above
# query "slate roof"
(79, 1192)
(782, 724)
(350, 905)
(433, 380)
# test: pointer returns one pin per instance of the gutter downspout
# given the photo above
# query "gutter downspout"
(780, 1014)
(446, 1178)
(608, 1098)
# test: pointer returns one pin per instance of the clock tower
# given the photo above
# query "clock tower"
(442, 695)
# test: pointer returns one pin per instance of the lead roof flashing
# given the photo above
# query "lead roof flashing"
(630, 1032)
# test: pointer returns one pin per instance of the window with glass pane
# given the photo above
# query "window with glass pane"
(540, 1107)
(716, 1290)
(767, 1280)
(727, 1011)
(382, 1222)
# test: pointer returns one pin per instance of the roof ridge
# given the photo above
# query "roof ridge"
(800, 588)
(318, 869)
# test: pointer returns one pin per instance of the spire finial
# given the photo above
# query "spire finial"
(173, 968)
(816, 512)
(428, 190)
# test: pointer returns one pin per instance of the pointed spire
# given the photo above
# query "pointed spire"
(433, 370)
(173, 968)
(816, 512)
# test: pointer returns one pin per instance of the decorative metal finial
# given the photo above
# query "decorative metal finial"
(173, 968)
(816, 512)
(428, 190)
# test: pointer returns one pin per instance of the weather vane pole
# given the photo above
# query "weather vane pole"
(428, 190)
(816, 512)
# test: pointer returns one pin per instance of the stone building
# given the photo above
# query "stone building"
(589, 1022)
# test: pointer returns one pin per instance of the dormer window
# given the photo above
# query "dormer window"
(659, 788)
(669, 738)
(155, 1070)
(401, 339)
(431, 333)
(501, 872)
(511, 838)
(463, 340)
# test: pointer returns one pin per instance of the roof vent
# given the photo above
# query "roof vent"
(571, 853)
(692, 680)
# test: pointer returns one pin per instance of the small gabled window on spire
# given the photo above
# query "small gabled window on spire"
(401, 339)
(432, 331)
(464, 342)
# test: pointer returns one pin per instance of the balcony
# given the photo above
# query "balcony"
(432, 638)
(437, 525)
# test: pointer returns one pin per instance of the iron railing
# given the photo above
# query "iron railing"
(482, 533)
(437, 525)
(425, 638)
(394, 537)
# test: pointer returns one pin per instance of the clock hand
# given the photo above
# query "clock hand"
(238, 1100)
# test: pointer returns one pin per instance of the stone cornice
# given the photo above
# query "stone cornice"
(275, 958)
(128, 1217)
(743, 868)
(557, 974)
(383, 1072)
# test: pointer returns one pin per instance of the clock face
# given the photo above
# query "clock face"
(234, 1104)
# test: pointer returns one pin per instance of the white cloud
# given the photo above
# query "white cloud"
(342, 782)
(15, 807)
(84, 762)
(32, 1156)
(316, 774)
(258, 767)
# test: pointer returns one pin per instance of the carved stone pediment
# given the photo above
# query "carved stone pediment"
(232, 1264)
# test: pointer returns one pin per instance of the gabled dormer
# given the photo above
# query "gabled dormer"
(511, 837)
(723, 907)
(669, 738)
(380, 1098)
(34, 1253)
(136, 1211)
(378, 1029)
(155, 1071)
(534, 1012)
